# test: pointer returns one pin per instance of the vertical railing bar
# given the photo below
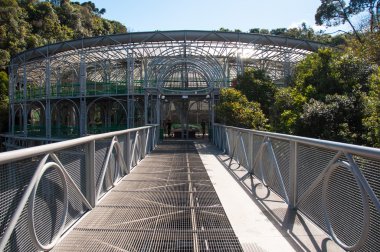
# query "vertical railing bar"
(233, 153)
(251, 151)
(227, 150)
(120, 159)
(128, 152)
(146, 141)
(133, 149)
(258, 156)
(244, 150)
(90, 173)
(293, 166)
(265, 144)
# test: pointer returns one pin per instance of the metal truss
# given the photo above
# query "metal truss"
(134, 70)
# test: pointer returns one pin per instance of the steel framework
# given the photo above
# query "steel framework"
(113, 82)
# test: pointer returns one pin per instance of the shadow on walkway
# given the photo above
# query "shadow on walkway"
(299, 232)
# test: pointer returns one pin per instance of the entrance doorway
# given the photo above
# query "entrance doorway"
(185, 117)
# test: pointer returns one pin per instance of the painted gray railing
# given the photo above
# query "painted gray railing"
(45, 189)
(336, 185)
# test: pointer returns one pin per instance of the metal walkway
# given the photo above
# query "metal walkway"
(167, 203)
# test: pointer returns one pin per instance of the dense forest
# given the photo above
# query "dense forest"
(333, 94)
(26, 24)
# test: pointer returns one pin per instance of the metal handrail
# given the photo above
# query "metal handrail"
(354, 149)
(318, 161)
(15, 155)
(128, 152)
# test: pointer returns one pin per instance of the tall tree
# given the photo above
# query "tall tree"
(257, 86)
(370, 6)
(234, 109)
(336, 12)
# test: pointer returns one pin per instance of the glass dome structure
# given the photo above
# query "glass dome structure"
(93, 85)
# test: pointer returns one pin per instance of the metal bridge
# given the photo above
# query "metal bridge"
(245, 191)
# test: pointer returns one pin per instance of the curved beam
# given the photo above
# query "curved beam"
(164, 36)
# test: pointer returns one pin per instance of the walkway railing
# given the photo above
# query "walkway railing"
(336, 185)
(45, 189)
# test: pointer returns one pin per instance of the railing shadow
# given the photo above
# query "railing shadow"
(299, 232)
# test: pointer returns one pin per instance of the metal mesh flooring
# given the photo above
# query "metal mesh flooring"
(167, 203)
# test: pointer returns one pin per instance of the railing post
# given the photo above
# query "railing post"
(123, 144)
(251, 153)
(127, 152)
(293, 175)
(90, 173)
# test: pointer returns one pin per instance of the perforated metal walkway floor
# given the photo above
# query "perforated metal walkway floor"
(167, 203)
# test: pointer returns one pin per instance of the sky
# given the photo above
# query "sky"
(152, 15)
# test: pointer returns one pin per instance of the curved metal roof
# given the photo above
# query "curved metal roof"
(133, 39)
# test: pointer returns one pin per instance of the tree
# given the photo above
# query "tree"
(3, 101)
(331, 72)
(254, 30)
(338, 118)
(287, 110)
(222, 29)
(45, 23)
(373, 8)
(257, 86)
(369, 50)
(14, 28)
(332, 90)
(234, 109)
(371, 120)
(278, 31)
(335, 12)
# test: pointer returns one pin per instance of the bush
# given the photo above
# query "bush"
(234, 109)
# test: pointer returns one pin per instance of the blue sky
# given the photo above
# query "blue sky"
(151, 15)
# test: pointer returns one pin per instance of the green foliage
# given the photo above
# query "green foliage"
(3, 101)
(235, 110)
(368, 50)
(333, 98)
(287, 110)
(257, 86)
(335, 12)
(332, 13)
(303, 32)
(30, 23)
(13, 26)
(331, 72)
(3, 86)
(370, 6)
(371, 121)
(338, 118)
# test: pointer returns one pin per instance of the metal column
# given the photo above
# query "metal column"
(12, 86)
(47, 100)
(24, 110)
(130, 89)
(83, 105)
